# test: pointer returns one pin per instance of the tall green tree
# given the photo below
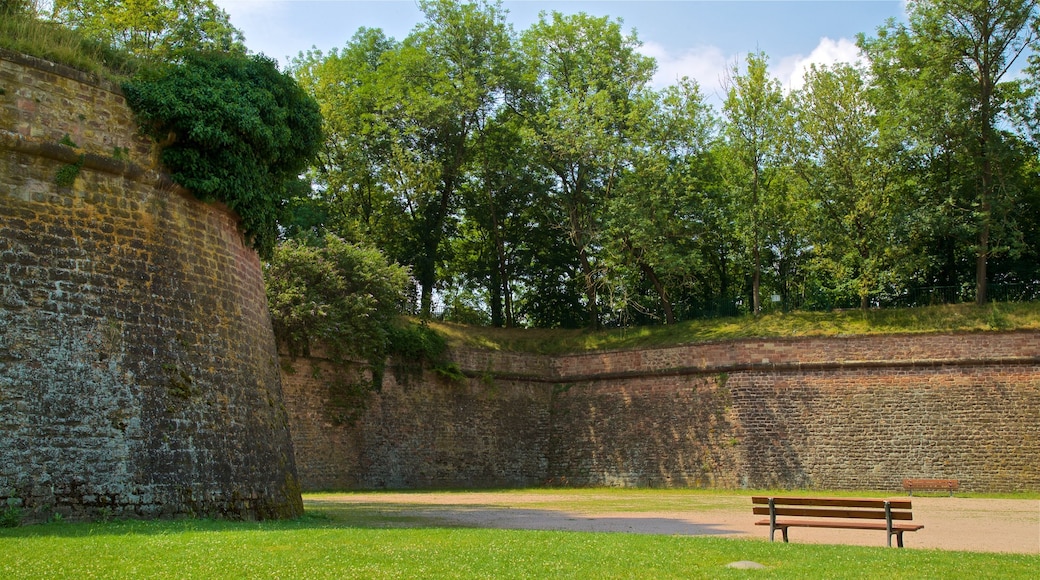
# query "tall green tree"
(966, 50)
(849, 182)
(354, 168)
(656, 222)
(755, 111)
(402, 141)
(584, 79)
(499, 205)
(453, 71)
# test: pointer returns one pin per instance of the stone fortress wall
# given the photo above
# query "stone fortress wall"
(138, 370)
(829, 413)
(139, 377)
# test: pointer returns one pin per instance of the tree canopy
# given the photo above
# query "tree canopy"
(536, 177)
(153, 29)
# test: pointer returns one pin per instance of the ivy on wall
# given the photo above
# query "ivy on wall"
(232, 128)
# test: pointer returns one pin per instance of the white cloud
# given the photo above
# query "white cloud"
(791, 69)
(705, 64)
(709, 66)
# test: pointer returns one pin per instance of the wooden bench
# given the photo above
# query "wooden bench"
(949, 485)
(847, 513)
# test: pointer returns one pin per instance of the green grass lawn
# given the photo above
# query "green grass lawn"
(346, 543)
(948, 318)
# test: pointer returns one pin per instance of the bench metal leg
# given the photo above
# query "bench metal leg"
(784, 530)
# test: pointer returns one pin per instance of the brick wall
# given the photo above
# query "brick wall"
(852, 413)
(418, 431)
(138, 372)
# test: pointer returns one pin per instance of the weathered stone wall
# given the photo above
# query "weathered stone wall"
(854, 413)
(418, 431)
(138, 371)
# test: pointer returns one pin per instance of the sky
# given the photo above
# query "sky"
(702, 39)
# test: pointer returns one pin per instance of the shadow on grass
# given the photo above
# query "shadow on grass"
(383, 515)
(331, 515)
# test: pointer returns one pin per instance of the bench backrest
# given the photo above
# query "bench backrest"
(817, 507)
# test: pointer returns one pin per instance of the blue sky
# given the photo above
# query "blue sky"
(697, 38)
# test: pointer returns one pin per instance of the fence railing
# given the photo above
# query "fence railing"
(903, 298)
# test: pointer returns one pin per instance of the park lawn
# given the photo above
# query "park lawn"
(331, 544)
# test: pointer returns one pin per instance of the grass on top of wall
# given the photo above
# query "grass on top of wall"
(322, 545)
(946, 318)
(56, 43)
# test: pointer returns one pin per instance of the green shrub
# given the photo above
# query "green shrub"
(339, 294)
(234, 129)
(344, 297)
(11, 516)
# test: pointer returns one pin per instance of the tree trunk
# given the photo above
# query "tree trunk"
(666, 302)
(590, 288)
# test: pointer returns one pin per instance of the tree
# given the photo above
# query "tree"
(657, 221)
(15, 7)
(153, 29)
(453, 69)
(849, 182)
(755, 111)
(414, 112)
(233, 129)
(584, 77)
(966, 48)
(499, 206)
(354, 167)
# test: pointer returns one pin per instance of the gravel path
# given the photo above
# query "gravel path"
(981, 525)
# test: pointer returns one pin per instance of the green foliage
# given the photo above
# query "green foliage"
(155, 30)
(403, 120)
(343, 296)
(9, 8)
(232, 129)
(67, 174)
(537, 180)
(581, 104)
(415, 347)
(11, 516)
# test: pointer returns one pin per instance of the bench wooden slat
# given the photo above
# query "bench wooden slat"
(834, 513)
(896, 503)
(843, 525)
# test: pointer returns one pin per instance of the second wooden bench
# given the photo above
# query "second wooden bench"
(949, 485)
(890, 515)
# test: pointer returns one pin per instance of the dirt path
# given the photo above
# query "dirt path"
(981, 525)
